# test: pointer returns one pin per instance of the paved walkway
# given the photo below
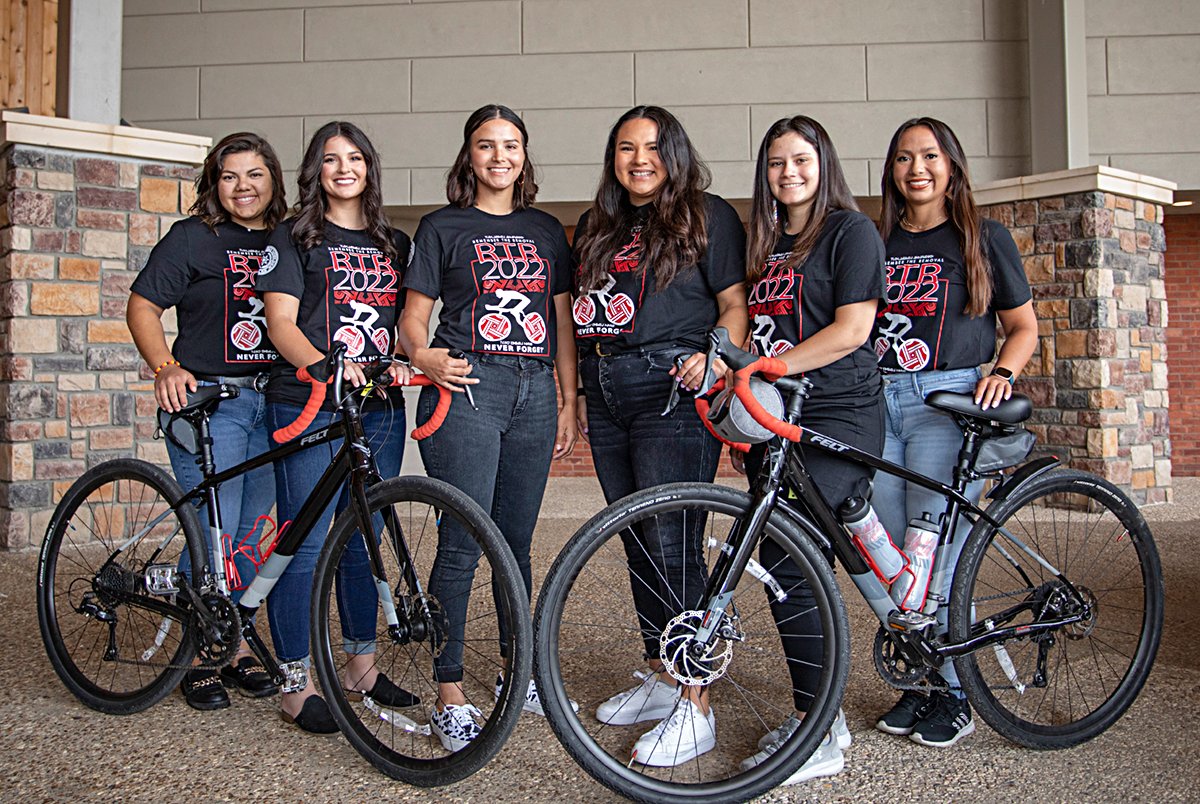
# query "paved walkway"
(54, 749)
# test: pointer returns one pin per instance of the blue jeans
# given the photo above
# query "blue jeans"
(499, 456)
(239, 432)
(295, 478)
(926, 441)
(634, 447)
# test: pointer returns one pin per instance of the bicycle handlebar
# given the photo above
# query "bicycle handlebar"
(329, 370)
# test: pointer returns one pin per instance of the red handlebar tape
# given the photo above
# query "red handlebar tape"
(773, 368)
(317, 397)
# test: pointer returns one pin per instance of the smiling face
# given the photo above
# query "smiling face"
(343, 170)
(244, 188)
(794, 175)
(636, 162)
(497, 157)
(920, 169)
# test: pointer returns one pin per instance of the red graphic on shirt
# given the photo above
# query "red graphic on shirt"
(244, 318)
(914, 316)
(360, 304)
(615, 297)
(512, 282)
(775, 307)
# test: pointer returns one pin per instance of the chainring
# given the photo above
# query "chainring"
(893, 667)
(217, 637)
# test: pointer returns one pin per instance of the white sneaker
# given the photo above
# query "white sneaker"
(650, 700)
(455, 726)
(533, 701)
(840, 731)
(827, 760)
(684, 735)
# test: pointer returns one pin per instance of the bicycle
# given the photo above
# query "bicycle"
(121, 623)
(1055, 613)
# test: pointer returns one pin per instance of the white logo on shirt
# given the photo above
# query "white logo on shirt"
(269, 261)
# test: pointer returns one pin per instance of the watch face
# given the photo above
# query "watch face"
(999, 371)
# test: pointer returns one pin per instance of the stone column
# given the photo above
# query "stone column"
(1092, 242)
(82, 206)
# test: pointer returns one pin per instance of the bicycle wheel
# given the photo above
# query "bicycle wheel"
(589, 640)
(1061, 687)
(117, 646)
(409, 513)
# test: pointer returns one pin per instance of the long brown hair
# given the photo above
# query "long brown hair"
(960, 208)
(309, 229)
(208, 207)
(768, 218)
(675, 236)
(460, 183)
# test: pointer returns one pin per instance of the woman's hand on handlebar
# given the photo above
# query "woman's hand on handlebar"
(448, 372)
(171, 387)
(401, 373)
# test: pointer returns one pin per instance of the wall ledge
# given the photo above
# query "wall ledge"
(1093, 178)
(101, 138)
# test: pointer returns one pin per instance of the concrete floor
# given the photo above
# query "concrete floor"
(52, 748)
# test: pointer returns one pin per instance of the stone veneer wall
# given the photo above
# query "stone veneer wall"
(75, 229)
(1099, 378)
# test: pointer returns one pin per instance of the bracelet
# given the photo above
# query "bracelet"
(579, 392)
(164, 365)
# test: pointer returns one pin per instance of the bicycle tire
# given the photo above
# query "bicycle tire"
(393, 739)
(79, 569)
(588, 638)
(1096, 538)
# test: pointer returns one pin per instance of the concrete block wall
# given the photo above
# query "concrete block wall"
(1144, 88)
(409, 72)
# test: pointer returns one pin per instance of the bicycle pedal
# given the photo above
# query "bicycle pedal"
(910, 621)
(160, 579)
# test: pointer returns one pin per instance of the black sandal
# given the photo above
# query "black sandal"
(314, 717)
(202, 690)
(385, 693)
(249, 678)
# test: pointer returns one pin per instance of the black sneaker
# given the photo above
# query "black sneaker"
(202, 689)
(949, 721)
(910, 710)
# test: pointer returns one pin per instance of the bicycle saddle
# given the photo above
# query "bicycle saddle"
(1010, 411)
(179, 426)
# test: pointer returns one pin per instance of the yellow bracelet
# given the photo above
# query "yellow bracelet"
(164, 365)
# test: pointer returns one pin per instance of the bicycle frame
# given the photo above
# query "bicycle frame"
(813, 515)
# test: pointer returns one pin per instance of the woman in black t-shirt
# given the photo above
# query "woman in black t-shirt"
(204, 267)
(815, 268)
(503, 273)
(951, 274)
(332, 273)
(660, 264)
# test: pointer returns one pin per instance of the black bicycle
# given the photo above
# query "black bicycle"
(1054, 618)
(122, 623)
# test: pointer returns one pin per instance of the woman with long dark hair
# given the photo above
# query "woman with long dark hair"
(660, 264)
(815, 268)
(204, 267)
(950, 275)
(332, 274)
(503, 273)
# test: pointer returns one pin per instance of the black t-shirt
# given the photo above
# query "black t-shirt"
(349, 291)
(923, 326)
(789, 305)
(208, 276)
(628, 311)
(497, 276)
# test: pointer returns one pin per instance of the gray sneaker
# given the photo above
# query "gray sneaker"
(827, 760)
(840, 731)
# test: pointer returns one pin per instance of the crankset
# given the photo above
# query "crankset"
(894, 667)
(217, 629)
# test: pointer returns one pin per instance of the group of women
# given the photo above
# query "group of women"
(616, 318)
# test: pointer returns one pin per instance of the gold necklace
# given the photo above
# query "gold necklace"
(912, 227)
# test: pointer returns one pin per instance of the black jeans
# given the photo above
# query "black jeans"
(499, 456)
(856, 420)
(634, 447)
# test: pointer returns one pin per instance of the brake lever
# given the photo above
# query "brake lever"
(673, 399)
(459, 354)
(714, 351)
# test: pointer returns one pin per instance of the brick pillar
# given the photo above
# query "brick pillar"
(75, 228)
(1099, 379)
(1183, 333)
